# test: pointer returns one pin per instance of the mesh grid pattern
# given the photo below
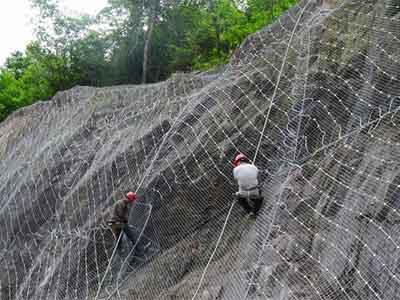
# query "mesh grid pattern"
(313, 100)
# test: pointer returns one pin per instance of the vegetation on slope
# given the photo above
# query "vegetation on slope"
(129, 41)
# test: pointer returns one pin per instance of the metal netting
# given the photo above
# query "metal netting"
(313, 100)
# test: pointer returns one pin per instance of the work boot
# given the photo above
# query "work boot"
(146, 247)
(137, 261)
(253, 216)
(250, 217)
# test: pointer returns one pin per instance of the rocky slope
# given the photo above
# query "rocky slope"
(314, 98)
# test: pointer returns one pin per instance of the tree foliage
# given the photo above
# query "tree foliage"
(29, 77)
(129, 41)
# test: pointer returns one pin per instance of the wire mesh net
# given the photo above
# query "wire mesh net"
(313, 100)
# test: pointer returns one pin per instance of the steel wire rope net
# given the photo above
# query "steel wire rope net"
(315, 97)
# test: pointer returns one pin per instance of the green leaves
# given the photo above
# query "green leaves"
(28, 78)
(110, 48)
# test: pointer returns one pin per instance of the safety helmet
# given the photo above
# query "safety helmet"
(131, 196)
(240, 157)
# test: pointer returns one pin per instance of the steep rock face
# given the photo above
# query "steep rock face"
(313, 98)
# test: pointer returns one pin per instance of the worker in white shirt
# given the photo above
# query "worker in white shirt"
(249, 194)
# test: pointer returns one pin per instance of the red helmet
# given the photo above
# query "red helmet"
(240, 157)
(131, 196)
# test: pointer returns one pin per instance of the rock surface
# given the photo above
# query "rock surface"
(314, 97)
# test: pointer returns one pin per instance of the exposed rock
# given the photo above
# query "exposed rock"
(326, 75)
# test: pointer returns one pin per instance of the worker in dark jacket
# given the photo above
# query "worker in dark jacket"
(119, 222)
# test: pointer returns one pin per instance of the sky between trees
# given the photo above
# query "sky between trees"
(16, 28)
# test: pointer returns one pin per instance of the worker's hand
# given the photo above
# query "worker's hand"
(106, 215)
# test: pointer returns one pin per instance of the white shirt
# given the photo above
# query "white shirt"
(247, 177)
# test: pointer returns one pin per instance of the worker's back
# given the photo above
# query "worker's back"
(120, 212)
(247, 178)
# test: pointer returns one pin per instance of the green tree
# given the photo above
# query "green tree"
(129, 41)
(212, 30)
(73, 39)
(29, 77)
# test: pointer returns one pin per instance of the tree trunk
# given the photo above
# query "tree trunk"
(147, 51)
(217, 35)
(158, 72)
(272, 10)
(216, 26)
(147, 43)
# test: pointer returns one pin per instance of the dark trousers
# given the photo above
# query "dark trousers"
(255, 201)
(117, 229)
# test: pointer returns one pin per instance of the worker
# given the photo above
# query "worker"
(119, 223)
(249, 194)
